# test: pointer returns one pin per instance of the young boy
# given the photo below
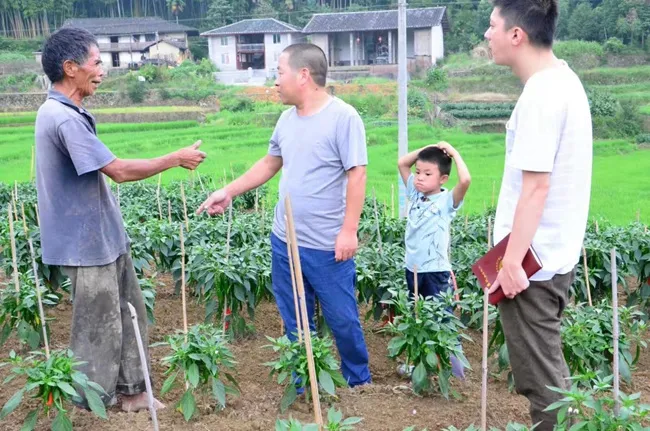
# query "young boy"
(429, 213)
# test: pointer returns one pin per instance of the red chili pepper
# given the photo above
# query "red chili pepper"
(50, 400)
(228, 320)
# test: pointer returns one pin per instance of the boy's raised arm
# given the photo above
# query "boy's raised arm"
(464, 178)
(405, 163)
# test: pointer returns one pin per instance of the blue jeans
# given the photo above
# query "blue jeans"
(334, 284)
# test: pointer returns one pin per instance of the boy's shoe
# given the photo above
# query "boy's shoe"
(404, 372)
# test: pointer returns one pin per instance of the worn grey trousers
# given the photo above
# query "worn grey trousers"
(531, 324)
(102, 332)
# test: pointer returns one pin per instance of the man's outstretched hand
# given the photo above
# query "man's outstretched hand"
(216, 203)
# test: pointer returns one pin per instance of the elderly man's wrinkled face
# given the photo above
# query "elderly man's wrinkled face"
(89, 75)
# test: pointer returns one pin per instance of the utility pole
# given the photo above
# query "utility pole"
(402, 77)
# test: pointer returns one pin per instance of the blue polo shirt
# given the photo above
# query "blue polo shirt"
(81, 224)
(427, 229)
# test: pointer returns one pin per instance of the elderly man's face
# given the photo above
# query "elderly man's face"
(89, 75)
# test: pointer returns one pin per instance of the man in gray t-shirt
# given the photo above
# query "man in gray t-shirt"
(81, 225)
(320, 146)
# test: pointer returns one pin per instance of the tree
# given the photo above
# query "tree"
(583, 23)
(176, 7)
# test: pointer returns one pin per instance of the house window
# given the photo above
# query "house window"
(276, 56)
(224, 41)
(115, 57)
(225, 59)
(136, 38)
(151, 37)
(277, 38)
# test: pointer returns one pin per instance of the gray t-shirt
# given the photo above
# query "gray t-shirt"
(81, 224)
(317, 151)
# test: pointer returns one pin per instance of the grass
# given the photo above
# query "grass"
(236, 148)
(645, 110)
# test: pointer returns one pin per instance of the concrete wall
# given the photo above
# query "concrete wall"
(272, 50)
(437, 43)
(217, 51)
(164, 50)
(422, 42)
(322, 41)
(129, 57)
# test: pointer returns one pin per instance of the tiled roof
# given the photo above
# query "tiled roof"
(375, 20)
(253, 26)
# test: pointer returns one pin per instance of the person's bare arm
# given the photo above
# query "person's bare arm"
(347, 242)
(261, 172)
(125, 170)
(464, 178)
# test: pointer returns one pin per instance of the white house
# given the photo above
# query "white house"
(128, 40)
(370, 38)
(254, 43)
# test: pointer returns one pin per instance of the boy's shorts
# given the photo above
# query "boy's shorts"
(429, 284)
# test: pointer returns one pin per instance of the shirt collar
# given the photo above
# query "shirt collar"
(62, 98)
(422, 197)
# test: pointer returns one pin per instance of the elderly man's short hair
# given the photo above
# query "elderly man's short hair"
(69, 43)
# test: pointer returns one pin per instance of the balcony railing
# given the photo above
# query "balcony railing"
(126, 46)
(250, 47)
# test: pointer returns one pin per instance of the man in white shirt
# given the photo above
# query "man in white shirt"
(544, 198)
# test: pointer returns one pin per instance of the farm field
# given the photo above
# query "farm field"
(620, 167)
(241, 279)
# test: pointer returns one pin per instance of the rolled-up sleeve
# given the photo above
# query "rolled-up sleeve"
(87, 152)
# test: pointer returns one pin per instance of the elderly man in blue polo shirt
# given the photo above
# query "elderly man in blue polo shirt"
(81, 224)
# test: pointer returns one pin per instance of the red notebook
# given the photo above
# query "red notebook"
(487, 268)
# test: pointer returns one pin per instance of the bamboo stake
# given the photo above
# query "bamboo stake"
(225, 302)
(597, 229)
(374, 199)
(293, 284)
(183, 282)
(144, 364)
(160, 213)
(38, 297)
(31, 166)
(484, 363)
(466, 220)
(38, 216)
(584, 261)
(392, 200)
(13, 252)
(489, 233)
(615, 329)
(201, 182)
(169, 210)
(187, 222)
(22, 211)
(13, 201)
(415, 290)
(303, 308)
(257, 200)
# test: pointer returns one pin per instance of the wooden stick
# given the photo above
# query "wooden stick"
(415, 290)
(225, 302)
(374, 199)
(38, 216)
(187, 222)
(169, 210)
(466, 220)
(13, 201)
(144, 364)
(617, 402)
(257, 199)
(597, 229)
(494, 185)
(160, 213)
(22, 210)
(183, 282)
(201, 183)
(584, 261)
(14, 259)
(293, 284)
(484, 363)
(31, 166)
(489, 233)
(38, 297)
(392, 200)
(303, 308)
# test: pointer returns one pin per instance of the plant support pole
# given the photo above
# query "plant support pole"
(303, 308)
(374, 199)
(584, 260)
(14, 260)
(160, 213)
(183, 283)
(617, 402)
(38, 297)
(293, 284)
(145, 366)
(187, 222)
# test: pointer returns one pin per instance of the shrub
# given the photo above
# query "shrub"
(613, 45)
(237, 104)
(643, 138)
(136, 90)
(153, 73)
(602, 104)
(580, 54)
(436, 79)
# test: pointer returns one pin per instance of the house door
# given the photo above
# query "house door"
(116, 59)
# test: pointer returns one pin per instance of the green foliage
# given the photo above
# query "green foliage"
(593, 408)
(601, 103)
(372, 105)
(626, 123)
(613, 45)
(153, 73)
(18, 83)
(426, 335)
(20, 312)
(436, 79)
(136, 90)
(335, 422)
(148, 287)
(580, 54)
(292, 369)
(479, 110)
(205, 361)
(56, 383)
(237, 104)
(643, 138)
